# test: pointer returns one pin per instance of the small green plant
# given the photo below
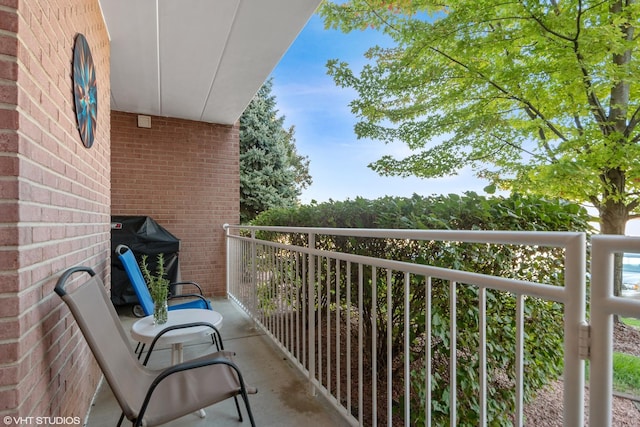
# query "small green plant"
(157, 283)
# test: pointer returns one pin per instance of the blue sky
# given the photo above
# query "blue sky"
(319, 111)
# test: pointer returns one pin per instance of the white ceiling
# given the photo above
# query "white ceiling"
(197, 59)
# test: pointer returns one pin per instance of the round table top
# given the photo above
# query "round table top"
(144, 330)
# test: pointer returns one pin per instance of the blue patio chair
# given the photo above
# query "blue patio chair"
(131, 267)
(196, 300)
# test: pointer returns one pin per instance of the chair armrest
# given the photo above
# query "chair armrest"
(218, 358)
(187, 283)
(173, 328)
(197, 296)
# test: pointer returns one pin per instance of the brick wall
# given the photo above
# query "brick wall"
(185, 175)
(54, 203)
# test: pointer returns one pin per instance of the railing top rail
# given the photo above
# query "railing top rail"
(602, 269)
(546, 238)
(541, 290)
(612, 243)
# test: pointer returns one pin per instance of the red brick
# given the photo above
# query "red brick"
(61, 182)
(189, 186)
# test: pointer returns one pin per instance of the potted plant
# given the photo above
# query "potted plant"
(158, 286)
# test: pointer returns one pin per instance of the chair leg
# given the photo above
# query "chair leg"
(245, 397)
(235, 398)
(216, 339)
(141, 350)
(120, 420)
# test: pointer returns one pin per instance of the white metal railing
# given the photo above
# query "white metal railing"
(293, 293)
(604, 304)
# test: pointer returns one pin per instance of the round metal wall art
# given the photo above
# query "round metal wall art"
(85, 91)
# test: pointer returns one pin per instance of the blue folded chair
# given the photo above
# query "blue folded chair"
(131, 267)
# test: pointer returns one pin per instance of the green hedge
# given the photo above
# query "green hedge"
(543, 320)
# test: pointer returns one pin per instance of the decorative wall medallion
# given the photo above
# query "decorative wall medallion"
(85, 91)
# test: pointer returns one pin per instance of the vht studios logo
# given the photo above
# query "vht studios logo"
(41, 421)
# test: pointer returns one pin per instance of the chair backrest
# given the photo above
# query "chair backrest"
(131, 267)
(99, 323)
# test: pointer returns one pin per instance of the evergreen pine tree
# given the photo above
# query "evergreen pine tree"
(272, 173)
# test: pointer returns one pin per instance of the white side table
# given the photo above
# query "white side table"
(145, 331)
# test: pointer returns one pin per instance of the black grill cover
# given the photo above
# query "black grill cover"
(145, 237)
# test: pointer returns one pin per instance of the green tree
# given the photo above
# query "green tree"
(535, 96)
(272, 173)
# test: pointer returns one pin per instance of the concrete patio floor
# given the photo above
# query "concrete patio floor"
(283, 397)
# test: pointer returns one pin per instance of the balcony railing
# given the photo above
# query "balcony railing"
(320, 307)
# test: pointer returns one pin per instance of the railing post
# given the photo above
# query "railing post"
(254, 274)
(575, 268)
(228, 256)
(311, 318)
(600, 366)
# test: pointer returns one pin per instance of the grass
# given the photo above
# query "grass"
(631, 322)
(626, 368)
(626, 373)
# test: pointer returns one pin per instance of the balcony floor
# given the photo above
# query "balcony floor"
(283, 397)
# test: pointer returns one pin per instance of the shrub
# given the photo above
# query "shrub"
(543, 319)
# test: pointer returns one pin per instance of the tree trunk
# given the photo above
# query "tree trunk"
(613, 220)
(613, 217)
